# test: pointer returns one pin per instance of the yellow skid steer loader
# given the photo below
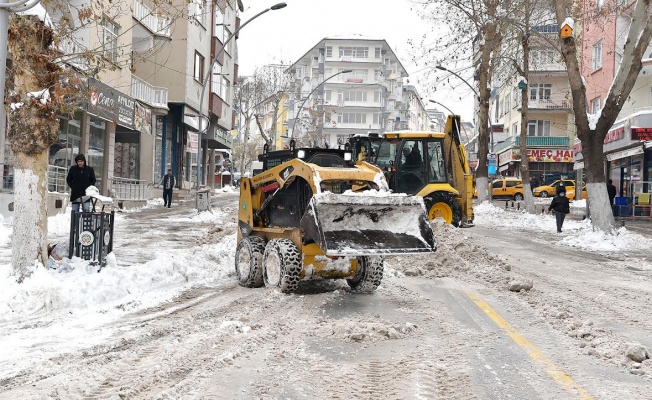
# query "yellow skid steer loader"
(314, 214)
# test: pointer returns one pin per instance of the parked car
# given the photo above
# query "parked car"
(551, 190)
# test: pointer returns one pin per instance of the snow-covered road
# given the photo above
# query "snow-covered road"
(169, 321)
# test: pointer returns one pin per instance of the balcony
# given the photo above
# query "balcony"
(553, 103)
(152, 26)
(71, 52)
(533, 141)
(153, 95)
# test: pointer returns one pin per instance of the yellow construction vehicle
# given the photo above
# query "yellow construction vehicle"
(313, 213)
(427, 164)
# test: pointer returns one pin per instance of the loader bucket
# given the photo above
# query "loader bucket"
(364, 225)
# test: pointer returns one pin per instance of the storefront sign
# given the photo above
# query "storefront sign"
(538, 155)
(110, 104)
(193, 142)
(642, 134)
(615, 134)
(143, 119)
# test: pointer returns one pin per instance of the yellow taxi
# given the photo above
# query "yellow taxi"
(506, 187)
(551, 190)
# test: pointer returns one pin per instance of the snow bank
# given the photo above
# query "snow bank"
(579, 234)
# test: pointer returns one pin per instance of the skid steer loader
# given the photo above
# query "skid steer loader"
(312, 214)
(432, 165)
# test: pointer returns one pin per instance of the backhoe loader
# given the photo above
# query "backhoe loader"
(313, 213)
(426, 164)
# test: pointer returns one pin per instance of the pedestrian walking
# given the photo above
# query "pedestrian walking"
(561, 188)
(80, 177)
(168, 183)
(560, 206)
(611, 189)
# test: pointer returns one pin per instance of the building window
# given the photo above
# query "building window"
(515, 129)
(595, 105)
(538, 128)
(597, 56)
(354, 52)
(352, 95)
(327, 95)
(352, 118)
(377, 96)
(329, 51)
(110, 40)
(198, 71)
(199, 11)
(377, 52)
(377, 118)
(540, 91)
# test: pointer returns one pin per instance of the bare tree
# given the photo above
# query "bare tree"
(275, 83)
(592, 128)
(474, 37)
(248, 96)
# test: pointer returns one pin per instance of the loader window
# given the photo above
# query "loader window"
(436, 164)
(387, 153)
(411, 172)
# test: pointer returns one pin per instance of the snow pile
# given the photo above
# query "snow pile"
(226, 189)
(579, 234)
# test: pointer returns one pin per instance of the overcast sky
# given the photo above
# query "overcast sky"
(287, 34)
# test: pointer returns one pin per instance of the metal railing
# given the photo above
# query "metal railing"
(152, 95)
(533, 141)
(151, 20)
(57, 179)
(549, 104)
(129, 189)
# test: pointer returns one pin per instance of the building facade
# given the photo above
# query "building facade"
(628, 144)
(337, 104)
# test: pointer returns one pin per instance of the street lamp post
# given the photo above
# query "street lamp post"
(346, 71)
(5, 9)
(210, 71)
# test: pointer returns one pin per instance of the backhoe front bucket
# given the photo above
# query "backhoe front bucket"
(364, 225)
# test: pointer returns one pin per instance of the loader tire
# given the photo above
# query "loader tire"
(249, 261)
(368, 275)
(282, 265)
(446, 205)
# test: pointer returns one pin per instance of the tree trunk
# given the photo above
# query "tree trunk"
(244, 143)
(30, 216)
(32, 129)
(525, 162)
(601, 212)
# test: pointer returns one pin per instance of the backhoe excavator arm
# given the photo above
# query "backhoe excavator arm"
(458, 165)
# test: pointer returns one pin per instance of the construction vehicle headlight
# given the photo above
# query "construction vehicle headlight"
(301, 154)
(347, 156)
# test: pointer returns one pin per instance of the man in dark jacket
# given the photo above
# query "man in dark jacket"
(168, 183)
(611, 189)
(560, 206)
(80, 177)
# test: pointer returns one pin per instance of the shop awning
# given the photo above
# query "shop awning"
(625, 153)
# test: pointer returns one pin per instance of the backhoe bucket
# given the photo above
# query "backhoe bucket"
(364, 225)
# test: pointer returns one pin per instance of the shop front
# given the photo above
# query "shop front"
(547, 163)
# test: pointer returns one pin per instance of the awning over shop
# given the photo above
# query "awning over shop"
(625, 153)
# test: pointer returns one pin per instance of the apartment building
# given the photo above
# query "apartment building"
(628, 144)
(141, 104)
(336, 104)
(417, 118)
(550, 125)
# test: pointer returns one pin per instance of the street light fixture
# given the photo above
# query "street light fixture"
(346, 71)
(439, 67)
(210, 71)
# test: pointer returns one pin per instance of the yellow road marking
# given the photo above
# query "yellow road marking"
(556, 373)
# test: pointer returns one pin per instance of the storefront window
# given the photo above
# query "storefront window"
(62, 154)
(95, 156)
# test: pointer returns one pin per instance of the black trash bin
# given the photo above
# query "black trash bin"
(91, 232)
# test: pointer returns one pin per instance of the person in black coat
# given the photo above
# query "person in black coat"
(561, 188)
(611, 189)
(168, 184)
(80, 177)
(560, 206)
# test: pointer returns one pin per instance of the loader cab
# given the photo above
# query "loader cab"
(410, 164)
(330, 158)
(365, 147)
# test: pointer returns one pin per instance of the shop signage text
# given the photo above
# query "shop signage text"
(110, 104)
(538, 155)
(641, 133)
(615, 134)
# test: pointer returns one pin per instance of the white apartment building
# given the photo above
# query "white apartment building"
(336, 104)
(416, 116)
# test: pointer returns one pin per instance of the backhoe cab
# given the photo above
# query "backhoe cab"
(427, 164)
